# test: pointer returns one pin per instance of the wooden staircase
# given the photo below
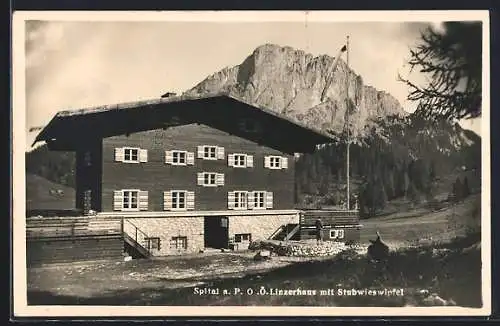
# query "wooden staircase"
(285, 232)
(135, 241)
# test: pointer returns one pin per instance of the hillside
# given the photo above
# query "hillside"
(43, 194)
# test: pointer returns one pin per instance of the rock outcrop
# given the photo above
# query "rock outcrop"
(292, 82)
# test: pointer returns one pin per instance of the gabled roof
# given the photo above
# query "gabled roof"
(70, 129)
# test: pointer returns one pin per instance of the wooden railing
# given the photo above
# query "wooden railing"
(67, 227)
(137, 235)
(329, 217)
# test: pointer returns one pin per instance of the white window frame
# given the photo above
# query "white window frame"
(256, 200)
(130, 191)
(238, 201)
(177, 202)
(241, 236)
(183, 240)
(177, 153)
(337, 234)
(126, 149)
(237, 161)
(207, 151)
(275, 162)
(209, 176)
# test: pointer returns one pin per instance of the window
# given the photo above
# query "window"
(210, 179)
(178, 243)
(275, 162)
(240, 160)
(178, 200)
(177, 157)
(131, 155)
(209, 152)
(130, 200)
(237, 200)
(153, 243)
(243, 237)
(337, 234)
(259, 199)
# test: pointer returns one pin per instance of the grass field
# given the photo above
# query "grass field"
(448, 269)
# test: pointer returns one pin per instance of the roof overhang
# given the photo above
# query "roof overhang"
(69, 130)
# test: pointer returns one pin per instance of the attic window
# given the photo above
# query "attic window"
(249, 125)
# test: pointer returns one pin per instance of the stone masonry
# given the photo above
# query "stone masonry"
(166, 228)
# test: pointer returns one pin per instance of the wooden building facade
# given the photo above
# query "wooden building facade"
(185, 173)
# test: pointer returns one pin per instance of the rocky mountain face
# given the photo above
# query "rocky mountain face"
(295, 83)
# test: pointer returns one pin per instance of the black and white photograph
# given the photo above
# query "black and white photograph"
(251, 163)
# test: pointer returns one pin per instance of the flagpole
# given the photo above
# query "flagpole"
(347, 120)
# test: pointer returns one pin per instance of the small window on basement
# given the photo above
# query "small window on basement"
(243, 237)
(178, 243)
(153, 243)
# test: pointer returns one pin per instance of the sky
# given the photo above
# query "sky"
(76, 64)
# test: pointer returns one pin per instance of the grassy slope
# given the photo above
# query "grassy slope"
(38, 195)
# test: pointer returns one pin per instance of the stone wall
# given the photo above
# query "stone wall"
(259, 226)
(167, 227)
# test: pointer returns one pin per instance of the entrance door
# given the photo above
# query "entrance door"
(216, 232)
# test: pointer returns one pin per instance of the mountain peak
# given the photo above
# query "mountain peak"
(302, 86)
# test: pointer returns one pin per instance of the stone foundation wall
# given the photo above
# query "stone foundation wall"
(167, 227)
(259, 226)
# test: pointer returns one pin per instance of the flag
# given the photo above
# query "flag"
(344, 48)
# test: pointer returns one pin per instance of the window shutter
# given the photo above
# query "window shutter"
(143, 200)
(117, 200)
(219, 179)
(143, 155)
(190, 199)
(249, 161)
(230, 160)
(190, 158)
(167, 200)
(269, 199)
(169, 157)
(200, 178)
(200, 151)
(119, 154)
(250, 200)
(220, 153)
(230, 200)
(284, 163)
(267, 162)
